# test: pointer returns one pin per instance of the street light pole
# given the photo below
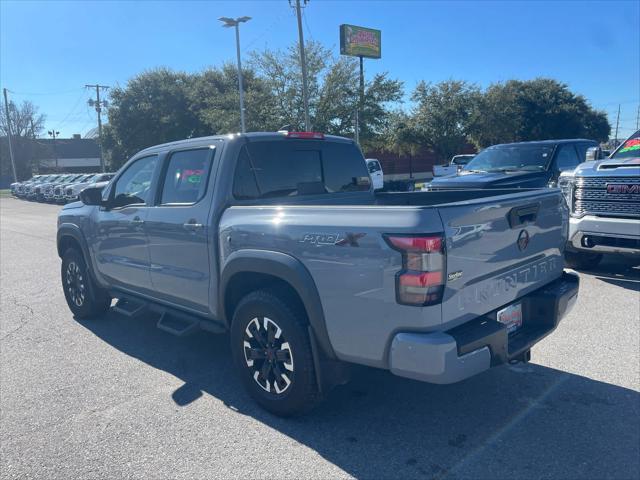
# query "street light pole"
(235, 22)
(54, 134)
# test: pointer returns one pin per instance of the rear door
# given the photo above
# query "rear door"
(179, 230)
(501, 248)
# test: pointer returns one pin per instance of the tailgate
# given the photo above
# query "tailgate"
(499, 249)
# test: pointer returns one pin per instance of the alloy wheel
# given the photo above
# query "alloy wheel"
(268, 355)
(75, 284)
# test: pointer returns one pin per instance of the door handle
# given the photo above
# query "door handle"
(522, 215)
(191, 225)
(137, 221)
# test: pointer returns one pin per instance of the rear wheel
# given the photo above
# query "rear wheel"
(272, 352)
(84, 298)
(582, 260)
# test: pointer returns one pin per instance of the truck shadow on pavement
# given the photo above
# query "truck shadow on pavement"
(524, 421)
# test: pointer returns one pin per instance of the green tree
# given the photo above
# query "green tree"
(282, 73)
(333, 91)
(214, 100)
(442, 115)
(538, 109)
(153, 108)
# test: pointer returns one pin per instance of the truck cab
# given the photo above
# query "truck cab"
(518, 165)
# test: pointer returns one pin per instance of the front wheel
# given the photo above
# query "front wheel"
(582, 260)
(84, 298)
(272, 352)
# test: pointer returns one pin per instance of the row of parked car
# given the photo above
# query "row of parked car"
(58, 187)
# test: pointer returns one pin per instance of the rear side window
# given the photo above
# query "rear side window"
(373, 167)
(299, 167)
(185, 179)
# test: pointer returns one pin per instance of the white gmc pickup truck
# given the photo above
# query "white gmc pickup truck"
(604, 199)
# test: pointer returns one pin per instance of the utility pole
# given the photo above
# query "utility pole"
(98, 104)
(617, 124)
(235, 22)
(54, 134)
(303, 61)
(361, 99)
(6, 109)
(638, 118)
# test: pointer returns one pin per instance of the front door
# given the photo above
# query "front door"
(121, 243)
(179, 232)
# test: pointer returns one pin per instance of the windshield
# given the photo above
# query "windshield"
(461, 160)
(630, 148)
(530, 158)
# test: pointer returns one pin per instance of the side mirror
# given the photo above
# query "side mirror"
(593, 153)
(91, 196)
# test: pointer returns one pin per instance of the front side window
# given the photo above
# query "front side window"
(185, 179)
(373, 167)
(567, 158)
(132, 187)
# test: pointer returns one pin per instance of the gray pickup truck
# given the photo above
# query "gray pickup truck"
(280, 239)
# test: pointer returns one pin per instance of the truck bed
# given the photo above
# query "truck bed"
(343, 247)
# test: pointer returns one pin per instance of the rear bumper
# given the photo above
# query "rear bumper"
(604, 234)
(464, 351)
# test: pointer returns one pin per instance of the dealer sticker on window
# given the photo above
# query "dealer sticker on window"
(511, 317)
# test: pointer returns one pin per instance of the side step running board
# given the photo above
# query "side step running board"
(129, 307)
(179, 326)
(182, 324)
(170, 320)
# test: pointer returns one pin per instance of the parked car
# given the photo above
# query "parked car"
(455, 165)
(375, 172)
(280, 239)
(72, 192)
(518, 165)
(48, 188)
(22, 187)
(57, 194)
(35, 190)
(604, 200)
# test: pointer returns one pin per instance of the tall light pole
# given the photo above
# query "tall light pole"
(53, 134)
(235, 22)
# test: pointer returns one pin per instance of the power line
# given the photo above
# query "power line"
(66, 92)
(75, 105)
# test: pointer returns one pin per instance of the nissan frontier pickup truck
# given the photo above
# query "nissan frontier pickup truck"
(280, 240)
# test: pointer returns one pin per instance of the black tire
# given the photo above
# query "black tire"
(84, 298)
(289, 354)
(582, 260)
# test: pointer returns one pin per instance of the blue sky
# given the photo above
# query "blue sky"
(50, 50)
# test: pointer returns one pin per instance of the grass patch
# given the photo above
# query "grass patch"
(5, 193)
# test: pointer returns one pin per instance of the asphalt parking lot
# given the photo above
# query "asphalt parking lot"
(117, 398)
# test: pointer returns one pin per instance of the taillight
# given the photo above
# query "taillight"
(421, 280)
(306, 135)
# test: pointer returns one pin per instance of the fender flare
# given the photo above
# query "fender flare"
(286, 268)
(73, 231)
